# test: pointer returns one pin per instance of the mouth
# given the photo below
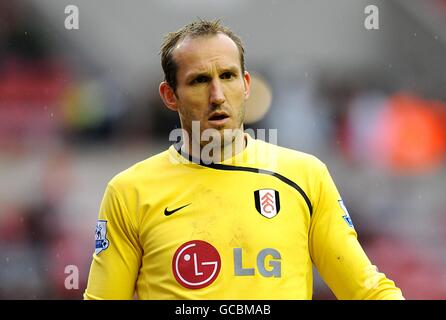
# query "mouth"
(218, 118)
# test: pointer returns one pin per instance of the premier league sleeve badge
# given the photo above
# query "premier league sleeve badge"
(101, 241)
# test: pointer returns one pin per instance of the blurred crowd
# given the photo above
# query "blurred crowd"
(66, 127)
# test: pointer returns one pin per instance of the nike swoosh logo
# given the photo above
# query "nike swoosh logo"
(169, 212)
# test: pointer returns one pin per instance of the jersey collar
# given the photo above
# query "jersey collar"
(241, 158)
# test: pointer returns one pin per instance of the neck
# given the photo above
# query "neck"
(214, 151)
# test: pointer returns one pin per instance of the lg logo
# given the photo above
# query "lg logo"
(268, 254)
(196, 264)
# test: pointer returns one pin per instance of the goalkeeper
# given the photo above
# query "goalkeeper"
(222, 215)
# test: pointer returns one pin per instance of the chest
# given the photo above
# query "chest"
(229, 210)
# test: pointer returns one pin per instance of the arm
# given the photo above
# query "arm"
(336, 252)
(115, 265)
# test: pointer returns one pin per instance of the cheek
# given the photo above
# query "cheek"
(236, 92)
(189, 113)
(192, 104)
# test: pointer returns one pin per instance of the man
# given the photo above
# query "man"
(225, 223)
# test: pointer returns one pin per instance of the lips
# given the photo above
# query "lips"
(218, 116)
(218, 119)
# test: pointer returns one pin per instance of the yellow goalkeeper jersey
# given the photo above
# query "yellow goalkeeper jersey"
(250, 227)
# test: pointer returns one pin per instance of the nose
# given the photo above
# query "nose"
(216, 93)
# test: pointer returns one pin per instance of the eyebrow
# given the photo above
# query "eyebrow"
(194, 75)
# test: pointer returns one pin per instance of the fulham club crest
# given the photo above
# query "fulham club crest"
(267, 202)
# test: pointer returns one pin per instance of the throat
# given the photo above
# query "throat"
(214, 151)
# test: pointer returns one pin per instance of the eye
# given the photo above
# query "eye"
(200, 79)
(227, 75)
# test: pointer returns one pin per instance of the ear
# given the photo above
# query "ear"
(168, 96)
(247, 80)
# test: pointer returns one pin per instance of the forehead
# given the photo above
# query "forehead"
(198, 54)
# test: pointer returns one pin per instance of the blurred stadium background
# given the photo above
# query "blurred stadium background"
(78, 106)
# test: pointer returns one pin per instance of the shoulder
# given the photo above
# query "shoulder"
(290, 158)
(139, 172)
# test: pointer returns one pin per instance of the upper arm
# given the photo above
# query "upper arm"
(336, 252)
(114, 269)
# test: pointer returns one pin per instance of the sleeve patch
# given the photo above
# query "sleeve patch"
(346, 217)
(101, 241)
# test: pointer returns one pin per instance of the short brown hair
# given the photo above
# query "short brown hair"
(194, 29)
